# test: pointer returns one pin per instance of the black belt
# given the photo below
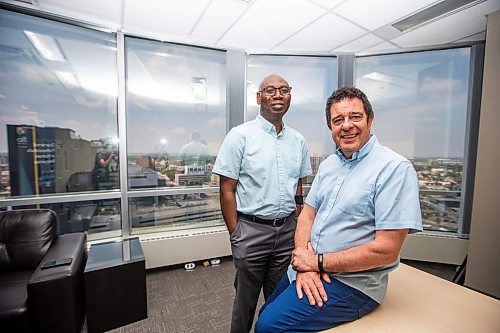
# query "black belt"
(274, 222)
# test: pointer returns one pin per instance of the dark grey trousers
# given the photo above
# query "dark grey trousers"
(261, 254)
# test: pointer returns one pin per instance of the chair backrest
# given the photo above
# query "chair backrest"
(80, 181)
(25, 237)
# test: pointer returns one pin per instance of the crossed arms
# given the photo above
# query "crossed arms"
(383, 250)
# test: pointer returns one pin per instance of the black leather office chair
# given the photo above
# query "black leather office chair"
(34, 298)
(80, 181)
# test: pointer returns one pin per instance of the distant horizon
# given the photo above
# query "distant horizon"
(167, 153)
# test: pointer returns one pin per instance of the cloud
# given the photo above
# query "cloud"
(19, 117)
(179, 130)
(434, 86)
(216, 121)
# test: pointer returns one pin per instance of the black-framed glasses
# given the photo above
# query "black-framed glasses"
(270, 91)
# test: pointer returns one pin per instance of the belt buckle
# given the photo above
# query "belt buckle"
(276, 221)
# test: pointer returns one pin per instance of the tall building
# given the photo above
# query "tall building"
(42, 159)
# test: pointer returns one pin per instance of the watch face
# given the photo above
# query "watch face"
(299, 199)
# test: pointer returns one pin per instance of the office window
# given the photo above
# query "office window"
(58, 108)
(420, 103)
(175, 212)
(312, 79)
(176, 122)
(99, 218)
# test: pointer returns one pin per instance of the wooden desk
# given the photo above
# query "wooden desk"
(423, 303)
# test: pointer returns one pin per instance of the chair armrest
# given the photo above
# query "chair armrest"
(56, 301)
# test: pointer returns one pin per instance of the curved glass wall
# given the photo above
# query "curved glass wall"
(420, 102)
(59, 145)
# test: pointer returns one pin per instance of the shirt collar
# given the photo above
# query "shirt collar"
(268, 127)
(365, 150)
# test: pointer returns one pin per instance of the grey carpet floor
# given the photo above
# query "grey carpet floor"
(181, 301)
(200, 300)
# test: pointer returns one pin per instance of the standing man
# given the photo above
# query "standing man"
(261, 164)
(195, 152)
(362, 204)
(102, 173)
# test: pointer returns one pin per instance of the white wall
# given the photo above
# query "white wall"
(483, 265)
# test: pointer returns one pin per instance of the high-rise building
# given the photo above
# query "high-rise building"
(42, 159)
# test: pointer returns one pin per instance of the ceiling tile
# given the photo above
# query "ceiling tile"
(465, 23)
(102, 12)
(326, 35)
(327, 4)
(379, 13)
(212, 25)
(170, 19)
(267, 23)
(360, 44)
(380, 48)
(387, 32)
(268, 26)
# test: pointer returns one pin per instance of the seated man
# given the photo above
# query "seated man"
(362, 204)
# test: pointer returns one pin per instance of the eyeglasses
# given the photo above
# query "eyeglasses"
(270, 91)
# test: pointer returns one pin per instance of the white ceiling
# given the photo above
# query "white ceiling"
(280, 26)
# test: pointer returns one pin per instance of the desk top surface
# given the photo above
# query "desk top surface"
(117, 253)
(417, 301)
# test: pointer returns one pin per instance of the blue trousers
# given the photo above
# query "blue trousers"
(285, 312)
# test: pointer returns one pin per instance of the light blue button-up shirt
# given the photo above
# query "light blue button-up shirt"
(376, 189)
(267, 166)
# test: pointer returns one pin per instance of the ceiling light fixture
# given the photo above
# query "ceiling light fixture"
(199, 87)
(31, 2)
(67, 79)
(45, 45)
(432, 12)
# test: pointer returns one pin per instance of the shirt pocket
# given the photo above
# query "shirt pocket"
(354, 199)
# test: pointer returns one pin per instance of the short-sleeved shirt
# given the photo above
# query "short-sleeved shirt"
(377, 189)
(267, 166)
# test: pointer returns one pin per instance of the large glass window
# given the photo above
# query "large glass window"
(58, 122)
(58, 107)
(99, 218)
(189, 210)
(420, 103)
(312, 79)
(176, 122)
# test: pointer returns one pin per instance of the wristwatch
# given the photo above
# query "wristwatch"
(299, 199)
(320, 263)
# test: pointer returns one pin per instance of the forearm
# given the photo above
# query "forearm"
(228, 202)
(298, 193)
(382, 251)
(356, 259)
(228, 208)
(304, 225)
(299, 187)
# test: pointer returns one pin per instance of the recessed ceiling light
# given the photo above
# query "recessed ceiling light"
(45, 45)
